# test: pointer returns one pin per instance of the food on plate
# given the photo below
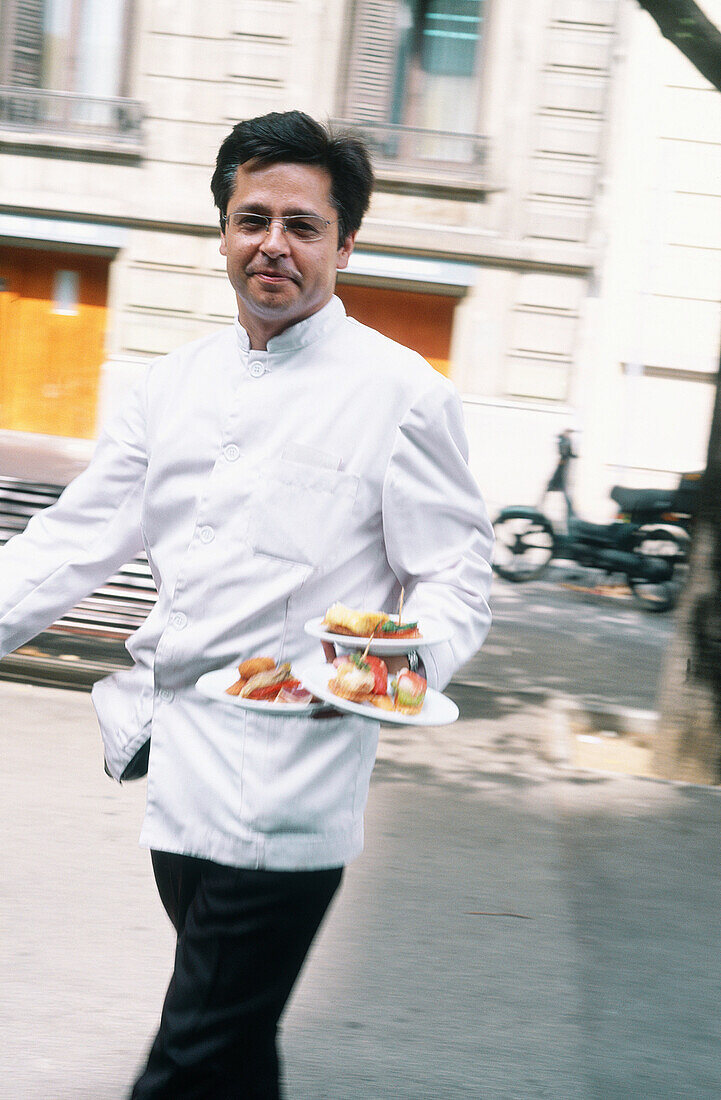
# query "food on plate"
(380, 674)
(392, 629)
(383, 702)
(363, 679)
(267, 684)
(409, 691)
(362, 624)
(265, 681)
(254, 665)
(297, 695)
(354, 679)
(358, 624)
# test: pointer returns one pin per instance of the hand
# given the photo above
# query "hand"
(395, 664)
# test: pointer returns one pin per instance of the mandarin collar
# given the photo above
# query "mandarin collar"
(299, 335)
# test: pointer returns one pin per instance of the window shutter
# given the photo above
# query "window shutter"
(27, 47)
(371, 61)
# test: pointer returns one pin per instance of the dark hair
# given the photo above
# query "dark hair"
(295, 138)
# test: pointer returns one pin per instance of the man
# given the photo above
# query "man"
(294, 460)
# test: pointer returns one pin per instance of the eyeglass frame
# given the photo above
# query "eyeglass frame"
(268, 219)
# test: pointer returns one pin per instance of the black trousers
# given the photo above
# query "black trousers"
(242, 938)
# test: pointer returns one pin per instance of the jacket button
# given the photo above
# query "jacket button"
(232, 452)
(179, 620)
(207, 534)
(166, 695)
(256, 369)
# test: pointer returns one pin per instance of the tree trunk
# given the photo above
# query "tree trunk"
(684, 23)
(688, 742)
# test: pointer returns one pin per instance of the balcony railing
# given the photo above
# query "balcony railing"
(422, 153)
(71, 115)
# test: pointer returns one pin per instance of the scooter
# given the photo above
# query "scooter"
(648, 543)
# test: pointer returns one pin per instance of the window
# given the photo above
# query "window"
(63, 66)
(412, 77)
(420, 320)
(66, 287)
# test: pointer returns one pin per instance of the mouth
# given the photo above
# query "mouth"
(273, 278)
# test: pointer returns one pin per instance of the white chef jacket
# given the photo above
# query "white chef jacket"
(264, 486)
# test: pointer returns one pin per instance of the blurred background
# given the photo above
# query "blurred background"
(544, 230)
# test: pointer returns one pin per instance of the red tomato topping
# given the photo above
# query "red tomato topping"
(271, 690)
(380, 674)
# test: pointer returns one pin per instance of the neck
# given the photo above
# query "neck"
(260, 331)
(259, 334)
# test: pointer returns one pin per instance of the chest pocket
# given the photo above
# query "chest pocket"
(301, 512)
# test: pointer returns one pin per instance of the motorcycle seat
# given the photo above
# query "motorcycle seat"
(643, 500)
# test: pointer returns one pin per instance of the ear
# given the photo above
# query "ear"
(344, 252)
(223, 246)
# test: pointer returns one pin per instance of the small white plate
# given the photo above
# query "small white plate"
(437, 710)
(381, 647)
(214, 685)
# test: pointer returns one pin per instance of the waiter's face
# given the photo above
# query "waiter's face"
(279, 279)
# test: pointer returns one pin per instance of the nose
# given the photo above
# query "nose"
(275, 242)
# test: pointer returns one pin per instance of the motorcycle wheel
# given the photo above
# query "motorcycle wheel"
(524, 547)
(673, 546)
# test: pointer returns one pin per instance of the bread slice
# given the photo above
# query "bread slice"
(358, 624)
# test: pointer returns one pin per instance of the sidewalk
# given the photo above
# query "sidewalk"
(513, 930)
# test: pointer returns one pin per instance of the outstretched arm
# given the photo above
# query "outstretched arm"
(68, 550)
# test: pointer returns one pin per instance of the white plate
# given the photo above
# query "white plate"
(381, 647)
(438, 709)
(214, 685)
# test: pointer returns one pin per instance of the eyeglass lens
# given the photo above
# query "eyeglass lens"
(303, 227)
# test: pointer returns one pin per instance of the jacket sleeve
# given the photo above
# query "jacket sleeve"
(438, 537)
(69, 549)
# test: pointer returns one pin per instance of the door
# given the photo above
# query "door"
(53, 316)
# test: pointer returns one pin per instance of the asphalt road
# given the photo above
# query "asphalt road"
(514, 930)
(548, 638)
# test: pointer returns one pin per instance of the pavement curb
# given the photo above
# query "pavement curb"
(619, 741)
(601, 738)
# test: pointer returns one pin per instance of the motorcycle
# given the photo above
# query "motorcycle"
(648, 543)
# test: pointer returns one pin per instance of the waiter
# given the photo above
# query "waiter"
(293, 460)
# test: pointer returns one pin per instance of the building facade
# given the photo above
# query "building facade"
(545, 227)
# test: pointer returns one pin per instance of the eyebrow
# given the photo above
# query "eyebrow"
(261, 208)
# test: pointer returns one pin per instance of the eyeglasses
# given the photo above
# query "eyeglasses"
(299, 227)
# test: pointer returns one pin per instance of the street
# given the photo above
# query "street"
(515, 929)
(548, 637)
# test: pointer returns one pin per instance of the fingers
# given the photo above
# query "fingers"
(395, 664)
